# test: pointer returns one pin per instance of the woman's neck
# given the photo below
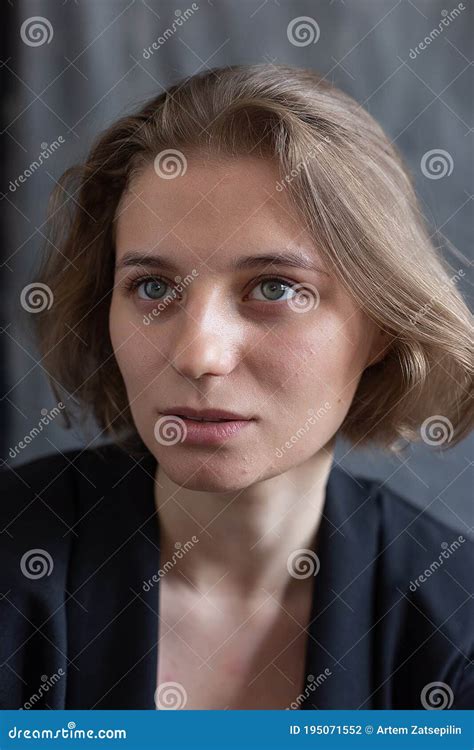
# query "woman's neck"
(239, 544)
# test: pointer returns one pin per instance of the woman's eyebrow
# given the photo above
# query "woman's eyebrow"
(286, 258)
(291, 259)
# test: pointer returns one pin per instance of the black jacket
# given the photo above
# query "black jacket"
(378, 634)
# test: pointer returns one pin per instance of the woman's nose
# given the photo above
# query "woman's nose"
(204, 336)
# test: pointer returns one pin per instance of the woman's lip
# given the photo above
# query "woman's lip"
(213, 415)
(211, 433)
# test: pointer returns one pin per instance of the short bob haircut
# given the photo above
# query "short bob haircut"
(352, 191)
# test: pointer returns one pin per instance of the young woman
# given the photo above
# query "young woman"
(239, 273)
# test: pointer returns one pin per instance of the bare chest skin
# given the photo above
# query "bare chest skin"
(226, 657)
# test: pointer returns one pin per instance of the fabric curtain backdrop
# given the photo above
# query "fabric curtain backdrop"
(83, 64)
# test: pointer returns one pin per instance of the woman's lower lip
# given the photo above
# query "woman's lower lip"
(211, 433)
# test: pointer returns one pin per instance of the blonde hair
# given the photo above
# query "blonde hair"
(355, 196)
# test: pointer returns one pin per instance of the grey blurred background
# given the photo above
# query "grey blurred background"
(87, 66)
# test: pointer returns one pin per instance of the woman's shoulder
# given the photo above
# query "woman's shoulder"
(56, 506)
(411, 533)
(417, 557)
(423, 561)
(398, 516)
(402, 518)
(57, 488)
(407, 576)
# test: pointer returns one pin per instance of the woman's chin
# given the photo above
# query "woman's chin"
(203, 476)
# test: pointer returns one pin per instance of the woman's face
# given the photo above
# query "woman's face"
(236, 337)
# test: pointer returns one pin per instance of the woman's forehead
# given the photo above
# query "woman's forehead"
(229, 210)
(243, 187)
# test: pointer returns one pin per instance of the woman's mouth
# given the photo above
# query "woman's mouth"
(205, 431)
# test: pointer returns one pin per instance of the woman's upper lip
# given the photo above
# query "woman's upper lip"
(187, 411)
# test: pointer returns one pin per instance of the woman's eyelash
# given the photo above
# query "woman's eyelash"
(261, 279)
(133, 283)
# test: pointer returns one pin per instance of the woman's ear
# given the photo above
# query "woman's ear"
(380, 346)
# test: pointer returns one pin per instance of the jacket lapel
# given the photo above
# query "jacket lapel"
(340, 642)
(113, 615)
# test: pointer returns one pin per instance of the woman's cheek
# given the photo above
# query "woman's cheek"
(133, 357)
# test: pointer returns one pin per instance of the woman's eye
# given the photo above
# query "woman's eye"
(152, 289)
(273, 290)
